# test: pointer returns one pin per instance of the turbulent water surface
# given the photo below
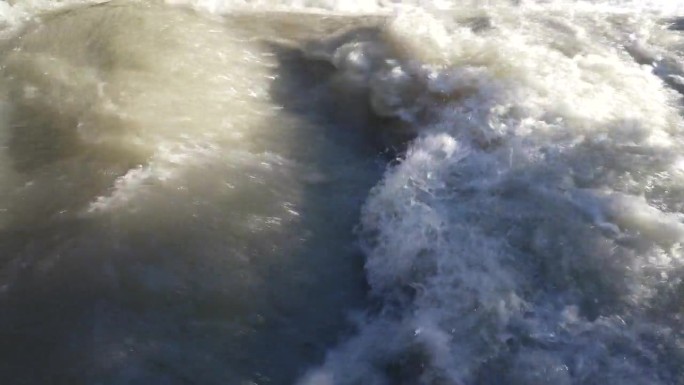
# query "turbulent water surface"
(341, 192)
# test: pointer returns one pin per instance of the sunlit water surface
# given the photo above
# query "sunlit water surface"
(341, 193)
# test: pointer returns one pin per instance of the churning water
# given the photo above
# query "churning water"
(341, 192)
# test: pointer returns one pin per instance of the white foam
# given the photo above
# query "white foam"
(542, 182)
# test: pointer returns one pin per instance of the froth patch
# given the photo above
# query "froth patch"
(533, 221)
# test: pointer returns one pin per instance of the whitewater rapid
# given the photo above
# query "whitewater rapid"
(342, 193)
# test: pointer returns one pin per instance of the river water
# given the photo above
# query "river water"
(341, 192)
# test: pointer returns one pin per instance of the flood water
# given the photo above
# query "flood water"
(341, 193)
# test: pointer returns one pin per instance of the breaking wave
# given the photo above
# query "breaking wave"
(180, 181)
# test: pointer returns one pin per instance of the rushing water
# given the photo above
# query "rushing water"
(341, 193)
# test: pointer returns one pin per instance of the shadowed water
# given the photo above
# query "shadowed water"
(180, 200)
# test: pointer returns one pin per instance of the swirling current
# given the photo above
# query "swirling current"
(341, 192)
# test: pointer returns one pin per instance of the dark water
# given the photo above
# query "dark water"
(140, 245)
